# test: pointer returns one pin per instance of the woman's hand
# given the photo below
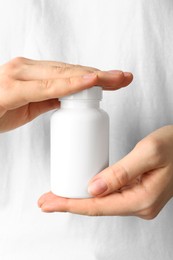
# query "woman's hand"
(29, 88)
(138, 185)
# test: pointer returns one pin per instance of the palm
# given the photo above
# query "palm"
(120, 202)
(97, 206)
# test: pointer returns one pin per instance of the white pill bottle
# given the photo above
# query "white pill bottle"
(79, 143)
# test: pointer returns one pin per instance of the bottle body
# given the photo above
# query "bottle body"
(79, 147)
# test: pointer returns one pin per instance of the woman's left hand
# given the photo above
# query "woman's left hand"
(139, 185)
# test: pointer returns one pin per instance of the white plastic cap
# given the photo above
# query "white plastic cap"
(94, 93)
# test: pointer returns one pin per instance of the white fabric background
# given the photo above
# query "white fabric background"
(135, 36)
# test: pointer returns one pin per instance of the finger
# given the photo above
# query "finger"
(118, 83)
(24, 114)
(24, 92)
(109, 81)
(140, 160)
(128, 79)
(37, 108)
(144, 199)
(45, 197)
(63, 65)
(44, 70)
(26, 69)
(59, 64)
(116, 204)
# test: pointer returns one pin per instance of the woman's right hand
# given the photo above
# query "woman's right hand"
(29, 88)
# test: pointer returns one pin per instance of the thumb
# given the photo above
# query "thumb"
(137, 162)
(37, 108)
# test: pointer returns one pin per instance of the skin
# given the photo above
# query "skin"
(29, 88)
(139, 185)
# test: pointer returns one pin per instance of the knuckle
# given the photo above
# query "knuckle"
(45, 84)
(95, 214)
(47, 87)
(86, 69)
(69, 85)
(62, 68)
(17, 61)
(13, 66)
(51, 89)
(91, 213)
(94, 211)
(118, 177)
(155, 147)
(92, 208)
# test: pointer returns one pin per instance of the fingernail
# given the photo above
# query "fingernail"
(97, 187)
(89, 76)
(114, 72)
(127, 74)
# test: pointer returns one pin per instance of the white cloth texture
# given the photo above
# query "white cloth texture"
(136, 36)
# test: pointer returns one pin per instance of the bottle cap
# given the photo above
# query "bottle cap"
(94, 93)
